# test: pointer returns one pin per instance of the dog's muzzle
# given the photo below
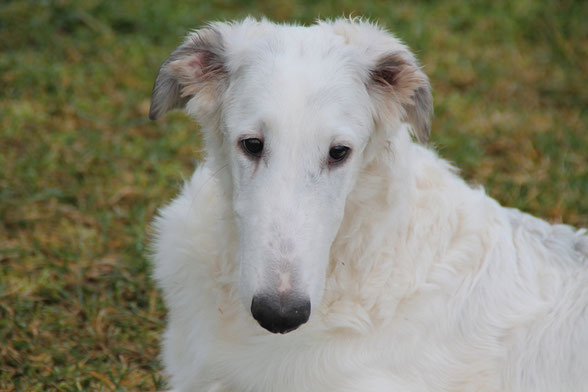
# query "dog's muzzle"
(280, 313)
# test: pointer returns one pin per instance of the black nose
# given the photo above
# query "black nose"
(278, 313)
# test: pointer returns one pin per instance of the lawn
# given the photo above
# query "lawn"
(83, 171)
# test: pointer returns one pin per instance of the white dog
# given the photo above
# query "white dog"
(319, 248)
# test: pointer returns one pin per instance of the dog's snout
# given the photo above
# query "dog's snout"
(280, 313)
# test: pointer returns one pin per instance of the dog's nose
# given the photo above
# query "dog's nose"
(280, 313)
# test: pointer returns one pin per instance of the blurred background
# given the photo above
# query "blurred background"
(82, 170)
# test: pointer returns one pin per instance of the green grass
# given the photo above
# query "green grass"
(82, 170)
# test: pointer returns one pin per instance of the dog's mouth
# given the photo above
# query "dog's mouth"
(280, 313)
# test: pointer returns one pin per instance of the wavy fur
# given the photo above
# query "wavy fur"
(430, 285)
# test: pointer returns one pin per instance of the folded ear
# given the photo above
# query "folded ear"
(398, 80)
(195, 68)
(395, 79)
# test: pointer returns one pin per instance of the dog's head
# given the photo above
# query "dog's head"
(288, 113)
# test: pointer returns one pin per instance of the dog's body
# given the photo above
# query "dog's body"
(426, 283)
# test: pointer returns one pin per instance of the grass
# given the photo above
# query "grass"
(82, 170)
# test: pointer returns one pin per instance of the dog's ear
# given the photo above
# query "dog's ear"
(398, 79)
(395, 79)
(195, 68)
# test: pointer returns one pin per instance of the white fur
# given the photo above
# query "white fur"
(418, 282)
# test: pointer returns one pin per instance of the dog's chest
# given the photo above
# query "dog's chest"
(341, 360)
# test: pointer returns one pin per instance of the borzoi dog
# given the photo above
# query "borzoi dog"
(321, 247)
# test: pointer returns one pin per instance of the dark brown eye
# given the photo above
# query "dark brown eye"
(337, 154)
(252, 146)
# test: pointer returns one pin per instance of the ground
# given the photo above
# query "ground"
(82, 170)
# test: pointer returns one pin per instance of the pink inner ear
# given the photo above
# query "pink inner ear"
(195, 68)
(197, 63)
(196, 71)
(399, 76)
(386, 76)
(390, 70)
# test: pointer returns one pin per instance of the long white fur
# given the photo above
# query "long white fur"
(429, 284)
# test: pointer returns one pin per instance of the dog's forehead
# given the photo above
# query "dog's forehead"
(296, 54)
(261, 40)
(298, 74)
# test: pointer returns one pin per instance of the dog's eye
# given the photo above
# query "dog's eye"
(338, 154)
(252, 146)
